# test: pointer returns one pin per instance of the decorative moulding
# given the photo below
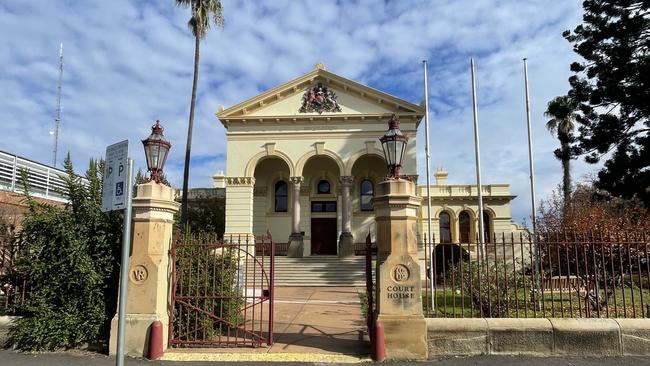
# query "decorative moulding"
(240, 181)
(370, 146)
(270, 148)
(320, 147)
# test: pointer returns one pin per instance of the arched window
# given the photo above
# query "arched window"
(464, 226)
(445, 228)
(323, 187)
(281, 193)
(367, 194)
(487, 229)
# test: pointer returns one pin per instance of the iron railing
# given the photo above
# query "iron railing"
(557, 274)
(44, 181)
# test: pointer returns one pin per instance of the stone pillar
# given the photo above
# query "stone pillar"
(239, 208)
(149, 268)
(296, 245)
(346, 241)
(398, 272)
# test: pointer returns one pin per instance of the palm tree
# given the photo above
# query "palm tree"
(204, 12)
(562, 113)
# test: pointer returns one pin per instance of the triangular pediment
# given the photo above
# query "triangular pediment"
(320, 94)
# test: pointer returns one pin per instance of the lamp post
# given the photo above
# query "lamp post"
(156, 149)
(399, 284)
(394, 144)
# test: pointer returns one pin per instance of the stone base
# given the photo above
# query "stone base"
(405, 337)
(346, 245)
(296, 246)
(136, 334)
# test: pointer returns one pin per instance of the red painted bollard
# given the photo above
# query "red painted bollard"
(380, 345)
(155, 341)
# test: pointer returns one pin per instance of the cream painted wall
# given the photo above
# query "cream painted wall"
(294, 145)
(454, 199)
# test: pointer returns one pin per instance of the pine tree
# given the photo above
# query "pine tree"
(612, 90)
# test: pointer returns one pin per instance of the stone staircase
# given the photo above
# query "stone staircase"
(320, 271)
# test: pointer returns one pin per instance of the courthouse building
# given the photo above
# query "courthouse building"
(304, 162)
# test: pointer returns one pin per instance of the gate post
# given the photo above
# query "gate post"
(399, 294)
(149, 268)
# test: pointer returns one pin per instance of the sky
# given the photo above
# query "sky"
(128, 63)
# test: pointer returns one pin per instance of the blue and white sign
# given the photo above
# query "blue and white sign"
(115, 176)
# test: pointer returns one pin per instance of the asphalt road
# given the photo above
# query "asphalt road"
(10, 358)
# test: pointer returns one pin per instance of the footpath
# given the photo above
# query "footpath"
(315, 324)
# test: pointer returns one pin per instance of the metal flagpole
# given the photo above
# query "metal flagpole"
(124, 265)
(477, 150)
(57, 120)
(530, 150)
(426, 150)
(532, 179)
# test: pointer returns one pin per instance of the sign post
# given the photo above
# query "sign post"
(116, 195)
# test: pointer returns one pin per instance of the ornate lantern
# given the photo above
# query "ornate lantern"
(156, 149)
(394, 144)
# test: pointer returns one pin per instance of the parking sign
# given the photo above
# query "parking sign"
(115, 175)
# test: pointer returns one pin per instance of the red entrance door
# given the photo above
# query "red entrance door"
(323, 236)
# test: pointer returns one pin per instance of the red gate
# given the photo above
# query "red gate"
(222, 292)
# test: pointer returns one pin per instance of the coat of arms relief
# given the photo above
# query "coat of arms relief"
(319, 99)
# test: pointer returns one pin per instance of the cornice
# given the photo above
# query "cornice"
(338, 119)
(240, 181)
(293, 135)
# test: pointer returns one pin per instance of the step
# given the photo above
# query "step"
(318, 271)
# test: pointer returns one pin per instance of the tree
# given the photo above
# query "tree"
(562, 114)
(70, 258)
(611, 88)
(603, 230)
(204, 12)
(206, 215)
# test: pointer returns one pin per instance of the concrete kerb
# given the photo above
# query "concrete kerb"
(457, 337)
(635, 336)
(533, 337)
(538, 337)
(587, 337)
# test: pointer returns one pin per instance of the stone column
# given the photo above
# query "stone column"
(346, 241)
(149, 269)
(399, 302)
(296, 245)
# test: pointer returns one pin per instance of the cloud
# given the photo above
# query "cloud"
(129, 63)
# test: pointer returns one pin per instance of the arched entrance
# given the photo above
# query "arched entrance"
(272, 195)
(319, 195)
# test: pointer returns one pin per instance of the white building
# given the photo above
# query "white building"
(304, 160)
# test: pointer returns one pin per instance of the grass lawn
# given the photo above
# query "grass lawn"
(625, 303)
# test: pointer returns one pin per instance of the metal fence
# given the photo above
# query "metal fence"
(555, 274)
(44, 181)
(222, 292)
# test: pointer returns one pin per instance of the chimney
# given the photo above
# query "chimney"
(219, 180)
(441, 177)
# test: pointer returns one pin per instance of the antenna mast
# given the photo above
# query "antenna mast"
(57, 120)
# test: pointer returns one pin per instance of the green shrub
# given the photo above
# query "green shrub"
(491, 286)
(70, 257)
